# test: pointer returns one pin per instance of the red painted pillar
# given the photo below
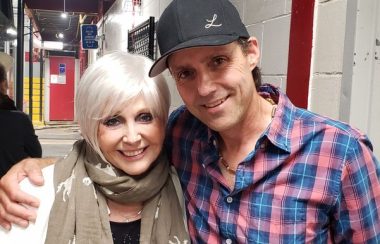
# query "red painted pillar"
(300, 47)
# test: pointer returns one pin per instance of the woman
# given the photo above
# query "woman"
(116, 185)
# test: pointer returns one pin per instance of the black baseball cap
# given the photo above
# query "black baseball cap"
(194, 23)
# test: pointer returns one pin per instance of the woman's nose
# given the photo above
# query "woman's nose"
(131, 135)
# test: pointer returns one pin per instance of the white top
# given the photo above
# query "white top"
(35, 232)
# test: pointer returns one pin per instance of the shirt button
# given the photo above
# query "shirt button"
(229, 200)
(228, 241)
(214, 142)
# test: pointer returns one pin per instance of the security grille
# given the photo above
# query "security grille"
(141, 39)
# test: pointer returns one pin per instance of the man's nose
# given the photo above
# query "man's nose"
(205, 84)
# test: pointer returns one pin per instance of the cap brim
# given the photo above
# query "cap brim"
(216, 40)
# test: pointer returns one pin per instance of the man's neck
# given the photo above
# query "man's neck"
(237, 142)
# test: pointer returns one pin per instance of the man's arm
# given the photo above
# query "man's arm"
(358, 219)
(12, 198)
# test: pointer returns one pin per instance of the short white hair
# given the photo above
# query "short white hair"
(112, 82)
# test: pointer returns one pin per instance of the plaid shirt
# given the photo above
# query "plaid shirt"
(309, 179)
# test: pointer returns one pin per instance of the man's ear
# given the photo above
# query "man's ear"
(253, 52)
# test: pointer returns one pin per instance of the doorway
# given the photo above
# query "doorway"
(62, 76)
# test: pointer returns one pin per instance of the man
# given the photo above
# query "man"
(254, 168)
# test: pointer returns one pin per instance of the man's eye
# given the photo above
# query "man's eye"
(145, 117)
(184, 75)
(110, 122)
(217, 61)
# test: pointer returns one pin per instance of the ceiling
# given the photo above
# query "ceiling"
(46, 15)
(6, 20)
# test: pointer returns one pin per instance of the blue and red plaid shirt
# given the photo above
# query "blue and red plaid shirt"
(309, 179)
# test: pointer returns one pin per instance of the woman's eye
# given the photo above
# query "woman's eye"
(114, 121)
(145, 117)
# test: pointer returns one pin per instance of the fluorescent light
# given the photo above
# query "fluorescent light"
(11, 31)
(52, 45)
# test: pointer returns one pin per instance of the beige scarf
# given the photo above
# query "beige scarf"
(83, 182)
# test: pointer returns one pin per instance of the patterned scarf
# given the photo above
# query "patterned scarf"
(83, 182)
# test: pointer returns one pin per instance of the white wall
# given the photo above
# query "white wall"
(344, 72)
(362, 84)
(114, 27)
(327, 58)
(115, 24)
(373, 130)
(269, 22)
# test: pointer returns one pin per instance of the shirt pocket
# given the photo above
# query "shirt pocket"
(275, 220)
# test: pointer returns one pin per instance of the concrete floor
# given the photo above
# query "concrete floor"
(57, 140)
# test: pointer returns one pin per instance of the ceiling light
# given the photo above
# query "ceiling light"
(64, 14)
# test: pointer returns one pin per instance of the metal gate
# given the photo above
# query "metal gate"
(141, 39)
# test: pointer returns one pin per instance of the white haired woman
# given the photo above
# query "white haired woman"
(116, 185)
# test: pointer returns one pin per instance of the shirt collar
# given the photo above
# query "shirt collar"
(279, 130)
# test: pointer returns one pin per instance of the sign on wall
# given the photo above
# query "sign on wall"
(61, 77)
(88, 34)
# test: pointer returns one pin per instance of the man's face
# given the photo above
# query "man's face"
(216, 83)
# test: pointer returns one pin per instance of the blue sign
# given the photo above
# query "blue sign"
(62, 69)
(89, 33)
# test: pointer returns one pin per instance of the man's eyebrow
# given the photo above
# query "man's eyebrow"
(223, 50)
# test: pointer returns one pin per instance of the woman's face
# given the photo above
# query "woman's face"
(132, 139)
